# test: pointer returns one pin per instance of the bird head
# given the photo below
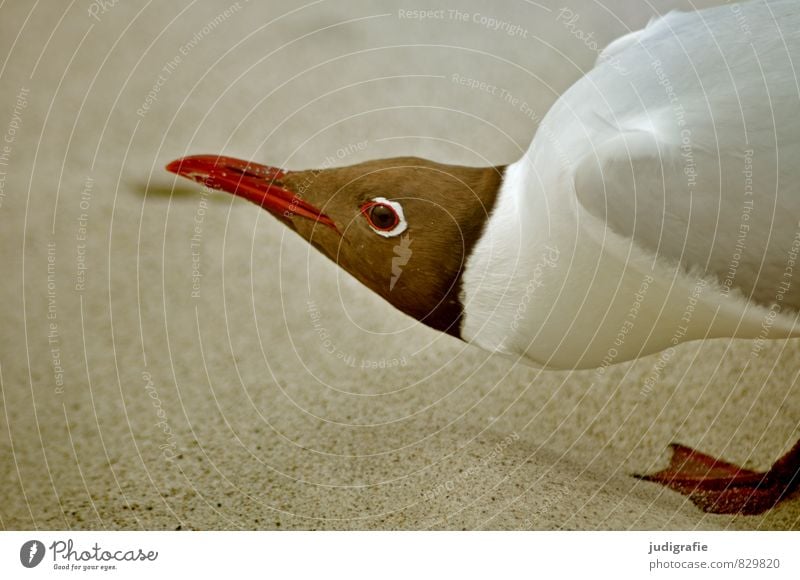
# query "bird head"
(404, 227)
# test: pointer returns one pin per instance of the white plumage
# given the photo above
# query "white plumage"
(659, 201)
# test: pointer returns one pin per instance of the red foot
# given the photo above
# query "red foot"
(719, 487)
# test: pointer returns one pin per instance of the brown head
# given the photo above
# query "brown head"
(404, 227)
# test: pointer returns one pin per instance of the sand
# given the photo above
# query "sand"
(174, 360)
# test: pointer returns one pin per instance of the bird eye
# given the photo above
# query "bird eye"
(382, 216)
(385, 217)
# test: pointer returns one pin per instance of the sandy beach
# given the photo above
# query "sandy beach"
(173, 358)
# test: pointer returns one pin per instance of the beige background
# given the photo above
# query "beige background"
(269, 429)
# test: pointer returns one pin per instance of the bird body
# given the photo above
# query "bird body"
(667, 182)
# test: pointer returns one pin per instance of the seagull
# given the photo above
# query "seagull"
(658, 203)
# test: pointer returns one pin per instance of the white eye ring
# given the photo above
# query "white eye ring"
(398, 228)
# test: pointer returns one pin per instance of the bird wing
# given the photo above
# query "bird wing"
(693, 148)
(722, 212)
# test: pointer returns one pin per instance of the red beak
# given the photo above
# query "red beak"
(260, 184)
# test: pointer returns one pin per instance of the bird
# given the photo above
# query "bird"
(658, 203)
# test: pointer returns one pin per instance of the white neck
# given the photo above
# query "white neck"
(549, 283)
